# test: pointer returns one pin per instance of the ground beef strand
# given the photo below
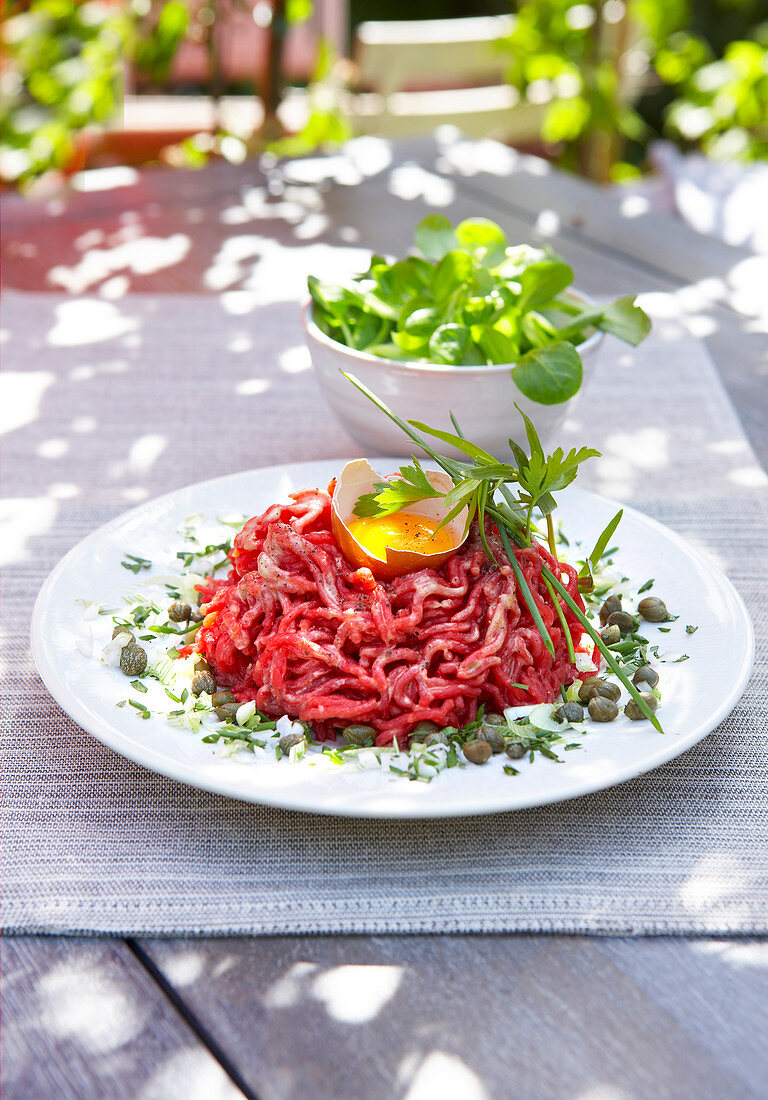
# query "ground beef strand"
(300, 631)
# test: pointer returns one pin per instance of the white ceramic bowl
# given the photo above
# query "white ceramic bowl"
(482, 398)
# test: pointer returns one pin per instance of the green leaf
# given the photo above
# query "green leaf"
(421, 321)
(454, 270)
(497, 346)
(400, 280)
(605, 537)
(448, 344)
(392, 496)
(484, 239)
(541, 282)
(624, 319)
(549, 375)
(434, 236)
(456, 441)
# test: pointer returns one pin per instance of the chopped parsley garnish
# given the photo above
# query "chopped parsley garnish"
(136, 564)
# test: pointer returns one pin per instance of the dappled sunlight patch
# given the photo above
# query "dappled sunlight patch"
(21, 519)
(251, 387)
(295, 360)
(193, 1074)
(239, 343)
(21, 393)
(104, 179)
(88, 321)
(634, 206)
(356, 994)
(441, 1075)
(733, 954)
(290, 988)
(748, 477)
(714, 880)
(83, 424)
(313, 225)
(142, 455)
(52, 448)
(548, 223)
(184, 967)
(604, 1091)
(130, 250)
(64, 490)
(411, 181)
(134, 494)
(80, 999)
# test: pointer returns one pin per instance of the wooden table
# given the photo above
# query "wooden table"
(363, 1018)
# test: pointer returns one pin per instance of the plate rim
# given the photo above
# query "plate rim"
(153, 761)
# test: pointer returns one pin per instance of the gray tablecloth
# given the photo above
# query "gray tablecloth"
(109, 404)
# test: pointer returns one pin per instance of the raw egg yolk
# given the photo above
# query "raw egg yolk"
(400, 531)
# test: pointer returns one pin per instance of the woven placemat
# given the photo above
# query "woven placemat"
(94, 843)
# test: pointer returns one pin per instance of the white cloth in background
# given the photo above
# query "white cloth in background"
(727, 200)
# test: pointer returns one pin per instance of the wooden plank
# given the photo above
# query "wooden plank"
(717, 991)
(468, 1017)
(82, 1019)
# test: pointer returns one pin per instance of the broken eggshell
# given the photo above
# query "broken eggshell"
(358, 477)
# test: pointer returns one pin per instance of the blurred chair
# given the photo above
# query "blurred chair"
(416, 75)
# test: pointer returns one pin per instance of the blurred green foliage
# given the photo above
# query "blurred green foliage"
(597, 68)
(609, 74)
(62, 70)
(722, 107)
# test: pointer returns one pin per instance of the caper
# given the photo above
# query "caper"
(203, 682)
(359, 734)
(569, 712)
(477, 752)
(201, 665)
(602, 709)
(623, 620)
(437, 737)
(123, 630)
(646, 675)
(287, 742)
(227, 711)
(653, 610)
(422, 730)
(632, 710)
(218, 698)
(179, 612)
(606, 690)
(493, 734)
(133, 659)
(613, 603)
(495, 720)
(587, 689)
(611, 635)
(196, 617)
(515, 750)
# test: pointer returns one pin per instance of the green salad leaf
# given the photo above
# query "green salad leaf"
(471, 299)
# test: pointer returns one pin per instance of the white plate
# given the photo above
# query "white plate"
(697, 694)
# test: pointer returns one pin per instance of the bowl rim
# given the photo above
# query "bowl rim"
(314, 332)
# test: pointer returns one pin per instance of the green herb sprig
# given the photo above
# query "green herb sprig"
(523, 487)
(472, 299)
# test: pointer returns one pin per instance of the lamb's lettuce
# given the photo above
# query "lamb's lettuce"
(471, 299)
